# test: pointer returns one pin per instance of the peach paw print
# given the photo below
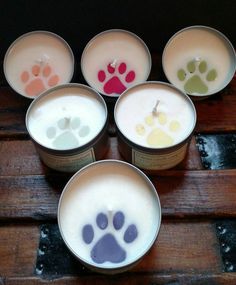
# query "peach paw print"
(38, 80)
(116, 78)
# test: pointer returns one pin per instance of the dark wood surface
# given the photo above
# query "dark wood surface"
(193, 199)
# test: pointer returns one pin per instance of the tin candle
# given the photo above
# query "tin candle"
(199, 60)
(68, 126)
(37, 61)
(155, 122)
(115, 60)
(98, 222)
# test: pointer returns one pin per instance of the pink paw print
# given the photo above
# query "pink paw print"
(116, 79)
(39, 80)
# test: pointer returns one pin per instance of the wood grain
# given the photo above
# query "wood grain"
(187, 249)
(18, 247)
(216, 114)
(131, 279)
(13, 108)
(197, 193)
(182, 194)
(180, 248)
(19, 157)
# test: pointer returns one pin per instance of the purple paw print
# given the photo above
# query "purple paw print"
(107, 247)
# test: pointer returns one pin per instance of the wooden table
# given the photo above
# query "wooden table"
(196, 242)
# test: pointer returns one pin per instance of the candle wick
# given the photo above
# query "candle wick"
(110, 214)
(154, 110)
(44, 60)
(39, 61)
(113, 64)
(67, 122)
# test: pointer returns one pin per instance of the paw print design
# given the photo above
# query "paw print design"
(197, 77)
(157, 130)
(38, 79)
(107, 247)
(67, 132)
(116, 79)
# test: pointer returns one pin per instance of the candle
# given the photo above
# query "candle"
(68, 125)
(199, 60)
(155, 121)
(115, 60)
(37, 61)
(98, 221)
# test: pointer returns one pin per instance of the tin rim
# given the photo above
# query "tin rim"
(111, 31)
(67, 86)
(116, 267)
(229, 47)
(159, 149)
(29, 34)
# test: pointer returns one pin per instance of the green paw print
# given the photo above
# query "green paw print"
(196, 77)
(67, 132)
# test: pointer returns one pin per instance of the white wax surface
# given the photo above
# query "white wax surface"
(103, 188)
(71, 103)
(137, 103)
(202, 44)
(38, 49)
(118, 46)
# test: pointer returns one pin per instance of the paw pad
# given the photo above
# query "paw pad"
(108, 247)
(67, 132)
(158, 130)
(38, 79)
(196, 77)
(115, 79)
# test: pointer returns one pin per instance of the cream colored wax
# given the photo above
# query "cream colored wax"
(38, 61)
(199, 60)
(155, 115)
(66, 118)
(106, 189)
(114, 60)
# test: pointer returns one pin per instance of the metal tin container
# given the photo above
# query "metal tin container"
(68, 125)
(155, 122)
(115, 60)
(37, 61)
(99, 225)
(199, 60)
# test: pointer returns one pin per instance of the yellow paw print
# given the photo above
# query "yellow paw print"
(158, 130)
